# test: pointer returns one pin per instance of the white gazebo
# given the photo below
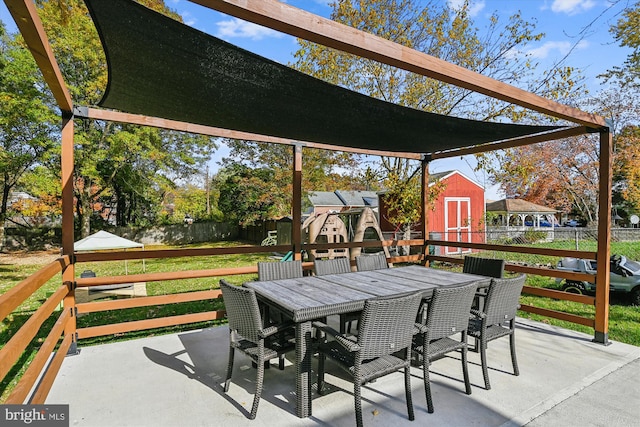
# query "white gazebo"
(521, 213)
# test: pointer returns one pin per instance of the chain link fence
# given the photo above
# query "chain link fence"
(624, 241)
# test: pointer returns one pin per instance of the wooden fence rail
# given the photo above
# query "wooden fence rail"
(14, 348)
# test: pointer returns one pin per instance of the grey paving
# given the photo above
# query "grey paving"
(176, 380)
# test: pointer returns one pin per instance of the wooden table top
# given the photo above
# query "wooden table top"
(313, 297)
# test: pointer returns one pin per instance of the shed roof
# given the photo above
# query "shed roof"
(517, 206)
(344, 198)
(162, 68)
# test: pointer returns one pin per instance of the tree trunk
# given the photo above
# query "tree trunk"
(4, 206)
(84, 210)
(406, 250)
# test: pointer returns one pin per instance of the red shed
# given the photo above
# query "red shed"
(458, 212)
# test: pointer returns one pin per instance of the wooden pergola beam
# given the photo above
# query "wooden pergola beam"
(28, 22)
(137, 119)
(511, 143)
(305, 25)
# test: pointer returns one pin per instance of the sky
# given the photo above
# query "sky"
(579, 28)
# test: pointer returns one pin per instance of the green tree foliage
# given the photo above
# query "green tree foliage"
(246, 195)
(322, 170)
(120, 166)
(404, 199)
(26, 123)
(434, 28)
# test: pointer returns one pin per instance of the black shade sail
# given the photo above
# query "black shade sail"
(161, 68)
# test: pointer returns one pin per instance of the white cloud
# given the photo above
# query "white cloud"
(562, 48)
(475, 6)
(188, 19)
(572, 7)
(238, 28)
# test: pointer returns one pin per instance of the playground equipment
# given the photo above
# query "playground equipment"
(354, 225)
(326, 228)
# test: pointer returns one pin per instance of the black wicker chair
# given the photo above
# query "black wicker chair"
(276, 271)
(447, 316)
(382, 346)
(376, 261)
(490, 267)
(497, 319)
(483, 266)
(322, 267)
(248, 335)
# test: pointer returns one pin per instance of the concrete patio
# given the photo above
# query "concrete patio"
(175, 380)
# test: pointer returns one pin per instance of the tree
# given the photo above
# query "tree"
(404, 200)
(26, 122)
(322, 170)
(562, 174)
(438, 30)
(245, 194)
(46, 205)
(115, 165)
(628, 165)
(625, 31)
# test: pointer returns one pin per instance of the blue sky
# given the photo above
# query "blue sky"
(579, 28)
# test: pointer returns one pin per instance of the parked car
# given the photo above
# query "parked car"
(572, 223)
(543, 223)
(624, 276)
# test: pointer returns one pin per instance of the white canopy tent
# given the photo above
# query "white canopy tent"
(103, 240)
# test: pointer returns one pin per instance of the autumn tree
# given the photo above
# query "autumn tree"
(122, 165)
(627, 167)
(619, 103)
(434, 28)
(561, 174)
(45, 208)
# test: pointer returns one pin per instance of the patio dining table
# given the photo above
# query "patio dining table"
(309, 298)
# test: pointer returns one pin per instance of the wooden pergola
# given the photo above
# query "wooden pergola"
(287, 19)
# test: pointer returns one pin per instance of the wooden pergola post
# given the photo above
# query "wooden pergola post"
(424, 225)
(296, 203)
(604, 239)
(68, 274)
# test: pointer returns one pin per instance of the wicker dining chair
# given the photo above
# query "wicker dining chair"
(322, 267)
(382, 346)
(270, 270)
(367, 262)
(491, 267)
(279, 270)
(497, 319)
(248, 335)
(446, 317)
